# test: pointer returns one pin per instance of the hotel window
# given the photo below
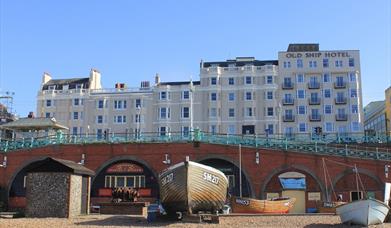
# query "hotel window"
(231, 81)
(355, 126)
(231, 129)
(353, 92)
(352, 76)
(269, 95)
(231, 96)
(248, 80)
(186, 95)
(269, 79)
(75, 115)
(301, 110)
(270, 111)
(249, 111)
(213, 96)
(231, 112)
(162, 131)
(354, 108)
(164, 113)
(185, 112)
(52, 87)
(48, 103)
(248, 96)
(138, 103)
(329, 127)
(338, 63)
(300, 94)
(270, 128)
(119, 119)
(302, 127)
(212, 129)
(76, 102)
(163, 95)
(74, 131)
(119, 104)
(100, 104)
(326, 77)
(137, 118)
(213, 112)
(325, 63)
(312, 64)
(327, 93)
(185, 131)
(351, 62)
(300, 78)
(47, 115)
(99, 119)
(213, 81)
(299, 63)
(99, 133)
(328, 109)
(287, 64)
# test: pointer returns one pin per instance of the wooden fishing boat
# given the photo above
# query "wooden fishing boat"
(190, 187)
(363, 212)
(254, 206)
(328, 207)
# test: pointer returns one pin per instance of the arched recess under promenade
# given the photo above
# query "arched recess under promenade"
(17, 184)
(124, 171)
(314, 188)
(345, 184)
(231, 169)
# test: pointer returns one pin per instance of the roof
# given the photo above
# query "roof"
(241, 61)
(291, 175)
(60, 165)
(72, 82)
(374, 108)
(303, 47)
(25, 124)
(180, 83)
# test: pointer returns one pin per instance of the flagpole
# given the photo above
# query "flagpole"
(240, 170)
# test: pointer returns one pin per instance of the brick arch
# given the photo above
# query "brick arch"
(233, 161)
(287, 168)
(123, 158)
(366, 172)
(19, 169)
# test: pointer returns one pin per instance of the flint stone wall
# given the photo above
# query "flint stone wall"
(47, 194)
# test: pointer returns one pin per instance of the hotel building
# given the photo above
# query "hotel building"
(305, 91)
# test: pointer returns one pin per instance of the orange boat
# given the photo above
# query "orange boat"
(255, 206)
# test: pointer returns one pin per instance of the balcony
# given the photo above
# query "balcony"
(340, 85)
(287, 85)
(288, 118)
(313, 85)
(315, 118)
(340, 100)
(314, 101)
(288, 101)
(341, 117)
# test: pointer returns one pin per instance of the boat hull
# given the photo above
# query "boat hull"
(254, 206)
(363, 212)
(192, 187)
(328, 207)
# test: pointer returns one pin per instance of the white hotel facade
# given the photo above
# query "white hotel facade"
(303, 92)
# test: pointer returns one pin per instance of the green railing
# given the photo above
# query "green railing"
(254, 141)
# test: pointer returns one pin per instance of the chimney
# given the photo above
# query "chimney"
(95, 79)
(157, 79)
(31, 115)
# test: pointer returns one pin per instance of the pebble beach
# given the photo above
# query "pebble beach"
(316, 221)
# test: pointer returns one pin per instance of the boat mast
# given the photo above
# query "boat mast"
(240, 170)
(325, 180)
(356, 171)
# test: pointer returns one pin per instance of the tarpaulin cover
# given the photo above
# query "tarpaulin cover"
(293, 183)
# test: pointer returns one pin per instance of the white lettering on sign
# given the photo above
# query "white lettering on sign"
(242, 202)
(211, 178)
(167, 179)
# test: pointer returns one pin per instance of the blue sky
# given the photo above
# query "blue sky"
(130, 41)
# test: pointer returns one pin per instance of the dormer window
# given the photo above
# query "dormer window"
(65, 87)
(79, 86)
(51, 87)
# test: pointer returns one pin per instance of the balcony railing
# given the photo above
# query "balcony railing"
(288, 101)
(288, 118)
(314, 117)
(313, 85)
(340, 100)
(314, 101)
(340, 85)
(341, 117)
(287, 85)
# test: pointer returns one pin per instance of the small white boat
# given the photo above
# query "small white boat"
(363, 212)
